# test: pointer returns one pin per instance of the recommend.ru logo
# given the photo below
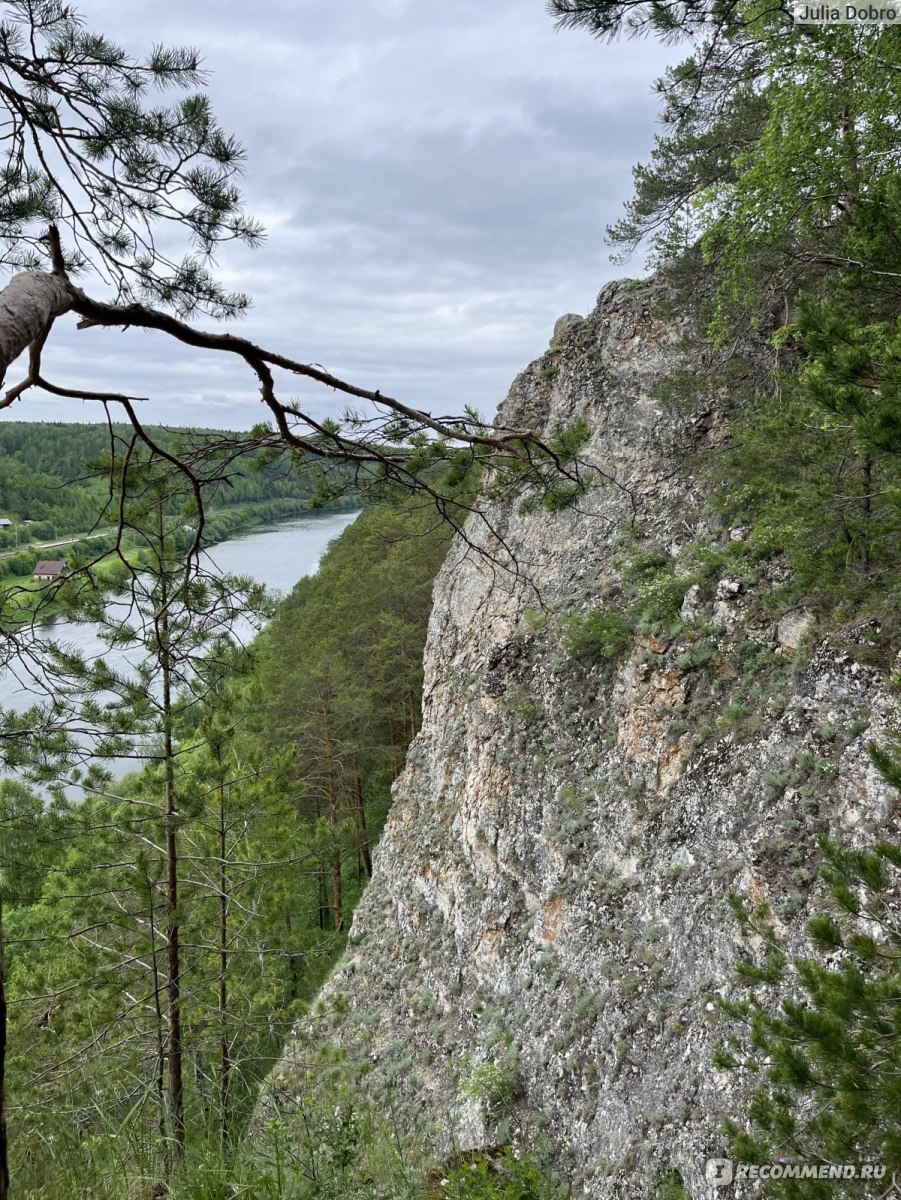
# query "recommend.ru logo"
(720, 1172)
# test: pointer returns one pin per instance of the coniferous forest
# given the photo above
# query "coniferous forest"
(54, 481)
(166, 930)
(279, 768)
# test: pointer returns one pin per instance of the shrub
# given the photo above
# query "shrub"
(823, 1033)
(495, 1175)
(599, 636)
(495, 1083)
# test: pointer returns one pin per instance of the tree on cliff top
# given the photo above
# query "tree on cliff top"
(780, 147)
(772, 198)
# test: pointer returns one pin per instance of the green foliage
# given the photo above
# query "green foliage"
(497, 1175)
(25, 852)
(91, 146)
(825, 1031)
(601, 636)
(712, 119)
(779, 147)
(284, 758)
(672, 1188)
(610, 18)
(341, 671)
(655, 591)
(56, 477)
(497, 1083)
(56, 481)
(646, 599)
(888, 765)
(851, 373)
(812, 491)
(535, 619)
(821, 171)
(547, 475)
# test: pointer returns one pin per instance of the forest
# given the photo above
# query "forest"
(281, 772)
(58, 487)
(164, 934)
(54, 479)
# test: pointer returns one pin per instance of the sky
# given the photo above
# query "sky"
(435, 180)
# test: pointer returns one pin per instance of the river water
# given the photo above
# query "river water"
(277, 556)
(281, 554)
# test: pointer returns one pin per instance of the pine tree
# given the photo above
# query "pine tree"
(22, 861)
(824, 1031)
(100, 182)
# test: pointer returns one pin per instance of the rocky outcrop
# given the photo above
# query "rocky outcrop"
(546, 932)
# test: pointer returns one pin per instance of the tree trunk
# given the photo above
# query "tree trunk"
(160, 1048)
(322, 889)
(292, 958)
(225, 1065)
(28, 305)
(337, 898)
(4, 1152)
(867, 512)
(360, 813)
(173, 951)
(331, 787)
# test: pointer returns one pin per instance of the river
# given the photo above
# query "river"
(277, 556)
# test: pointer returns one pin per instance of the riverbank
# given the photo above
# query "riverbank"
(330, 698)
(23, 600)
(277, 556)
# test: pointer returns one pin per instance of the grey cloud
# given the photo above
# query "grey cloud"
(436, 180)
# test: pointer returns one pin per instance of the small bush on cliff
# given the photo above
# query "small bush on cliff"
(495, 1083)
(825, 1031)
(654, 590)
(672, 1188)
(599, 636)
(494, 1175)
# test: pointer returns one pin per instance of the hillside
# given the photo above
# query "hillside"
(282, 775)
(54, 477)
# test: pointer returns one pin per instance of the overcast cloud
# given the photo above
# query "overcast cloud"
(435, 180)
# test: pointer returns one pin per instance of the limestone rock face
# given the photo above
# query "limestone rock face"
(546, 932)
(561, 325)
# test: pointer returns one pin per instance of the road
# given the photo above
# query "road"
(63, 542)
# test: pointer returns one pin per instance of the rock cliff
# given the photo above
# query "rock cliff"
(547, 930)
